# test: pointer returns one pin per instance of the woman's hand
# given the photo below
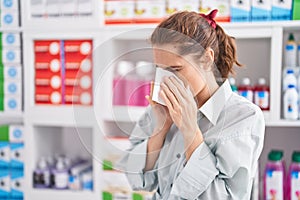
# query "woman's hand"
(181, 105)
(162, 116)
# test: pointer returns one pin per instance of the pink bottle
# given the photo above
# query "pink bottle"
(142, 83)
(121, 82)
(245, 89)
(293, 180)
(274, 176)
(262, 94)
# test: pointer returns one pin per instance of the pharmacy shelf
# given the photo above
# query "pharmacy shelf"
(283, 123)
(48, 194)
(11, 118)
(13, 29)
(127, 113)
(78, 116)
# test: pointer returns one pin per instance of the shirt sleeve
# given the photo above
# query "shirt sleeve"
(226, 173)
(134, 160)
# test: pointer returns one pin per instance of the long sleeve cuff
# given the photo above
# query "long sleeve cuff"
(197, 175)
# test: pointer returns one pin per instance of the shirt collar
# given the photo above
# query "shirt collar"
(214, 105)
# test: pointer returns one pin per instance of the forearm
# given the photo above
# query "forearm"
(191, 143)
(154, 146)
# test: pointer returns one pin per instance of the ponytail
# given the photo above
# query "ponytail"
(226, 57)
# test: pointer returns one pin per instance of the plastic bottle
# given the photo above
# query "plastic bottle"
(145, 74)
(274, 176)
(290, 56)
(262, 94)
(293, 180)
(289, 79)
(290, 103)
(121, 83)
(41, 175)
(233, 85)
(60, 175)
(245, 89)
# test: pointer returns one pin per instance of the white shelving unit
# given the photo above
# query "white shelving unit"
(47, 128)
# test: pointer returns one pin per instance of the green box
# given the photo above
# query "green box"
(296, 10)
(4, 133)
(1, 102)
(107, 196)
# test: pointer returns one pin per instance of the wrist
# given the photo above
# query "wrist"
(193, 143)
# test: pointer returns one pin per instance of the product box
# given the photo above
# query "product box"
(46, 95)
(12, 103)
(17, 155)
(9, 5)
(68, 7)
(240, 11)
(47, 48)
(261, 10)
(4, 133)
(38, 8)
(5, 183)
(4, 155)
(85, 7)
(223, 7)
(118, 12)
(12, 88)
(296, 9)
(281, 10)
(11, 55)
(179, 5)
(10, 39)
(16, 184)
(9, 19)
(12, 72)
(16, 134)
(149, 11)
(53, 8)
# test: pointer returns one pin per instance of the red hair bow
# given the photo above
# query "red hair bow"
(210, 17)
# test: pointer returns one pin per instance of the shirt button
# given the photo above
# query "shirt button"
(178, 155)
(171, 185)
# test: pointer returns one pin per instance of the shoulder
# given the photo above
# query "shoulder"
(240, 113)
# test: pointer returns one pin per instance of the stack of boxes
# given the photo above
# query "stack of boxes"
(10, 17)
(11, 162)
(60, 8)
(63, 72)
(10, 73)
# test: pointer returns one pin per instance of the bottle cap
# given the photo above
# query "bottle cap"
(291, 86)
(262, 81)
(60, 164)
(275, 155)
(296, 156)
(144, 68)
(291, 37)
(42, 163)
(231, 81)
(246, 81)
(290, 71)
(124, 67)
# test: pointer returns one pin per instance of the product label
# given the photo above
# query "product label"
(242, 5)
(274, 185)
(289, 47)
(265, 5)
(262, 99)
(61, 180)
(295, 185)
(248, 94)
(286, 4)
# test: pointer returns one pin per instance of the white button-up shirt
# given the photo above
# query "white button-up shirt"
(222, 167)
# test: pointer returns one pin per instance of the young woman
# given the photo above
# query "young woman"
(206, 141)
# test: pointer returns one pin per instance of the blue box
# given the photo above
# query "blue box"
(240, 11)
(4, 155)
(16, 184)
(281, 10)
(261, 10)
(5, 183)
(17, 155)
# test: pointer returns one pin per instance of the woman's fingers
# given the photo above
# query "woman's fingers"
(174, 89)
(167, 101)
(149, 99)
(180, 86)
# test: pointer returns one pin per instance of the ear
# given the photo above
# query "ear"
(208, 59)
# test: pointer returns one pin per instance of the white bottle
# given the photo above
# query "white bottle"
(289, 79)
(290, 55)
(290, 103)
